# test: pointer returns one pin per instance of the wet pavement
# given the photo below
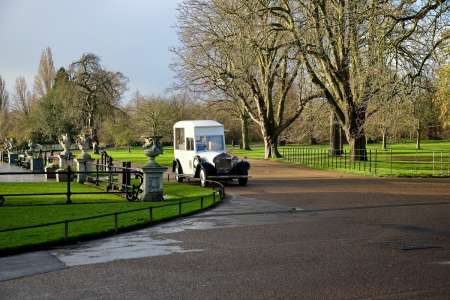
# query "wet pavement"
(5, 167)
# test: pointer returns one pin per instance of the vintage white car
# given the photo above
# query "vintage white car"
(199, 152)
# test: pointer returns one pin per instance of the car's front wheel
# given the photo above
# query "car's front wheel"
(178, 174)
(202, 178)
(243, 181)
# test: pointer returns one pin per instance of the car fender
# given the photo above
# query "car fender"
(174, 165)
(209, 169)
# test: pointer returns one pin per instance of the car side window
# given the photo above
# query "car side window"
(179, 139)
(189, 144)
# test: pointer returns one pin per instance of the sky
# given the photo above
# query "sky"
(130, 36)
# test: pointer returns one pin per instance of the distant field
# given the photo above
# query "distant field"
(399, 160)
(433, 159)
(136, 155)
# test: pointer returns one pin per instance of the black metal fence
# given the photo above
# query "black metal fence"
(121, 184)
(217, 197)
(404, 162)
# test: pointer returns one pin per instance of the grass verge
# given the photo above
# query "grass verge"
(29, 211)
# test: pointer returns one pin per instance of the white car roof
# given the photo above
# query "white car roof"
(197, 123)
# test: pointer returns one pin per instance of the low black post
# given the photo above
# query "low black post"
(96, 173)
(376, 157)
(370, 161)
(179, 207)
(69, 178)
(345, 160)
(214, 197)
(85, 171)
(201, 202)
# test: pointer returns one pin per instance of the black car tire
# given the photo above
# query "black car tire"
(178, 178)
(242, 181)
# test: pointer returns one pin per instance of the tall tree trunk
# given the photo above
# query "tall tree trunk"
(271, 147)
(244, 132)
(384, 141)
(357, 145)
(418, 133)
(356, 138)
(336, 147)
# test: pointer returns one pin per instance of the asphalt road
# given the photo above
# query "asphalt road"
(291, 233)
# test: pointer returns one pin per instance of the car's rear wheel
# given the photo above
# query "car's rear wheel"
(178, 174)
(202, 176)
(243, 181)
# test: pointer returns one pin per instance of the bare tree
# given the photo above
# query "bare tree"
(44, 80)
(229, 47)
(236, 111)
(99, 91)
(348, 45)
(4, 96)
(22, 96)
(4, 105)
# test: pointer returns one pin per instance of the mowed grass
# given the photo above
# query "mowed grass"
(433, 159)
(48, 209)
(136, 155)
(402, 159)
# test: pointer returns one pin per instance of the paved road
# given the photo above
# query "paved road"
(291, 233)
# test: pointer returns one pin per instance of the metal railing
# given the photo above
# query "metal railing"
(131, 191)
(216, 198)
(409, 163)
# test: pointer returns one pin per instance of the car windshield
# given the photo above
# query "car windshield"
(209, 143)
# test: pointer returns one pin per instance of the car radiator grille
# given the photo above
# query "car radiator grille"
(223, 165)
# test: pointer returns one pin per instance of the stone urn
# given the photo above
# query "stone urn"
(65, 143)
(152, 148)
(83, 145)
(10, 144)
(153, 172)
(32, 148)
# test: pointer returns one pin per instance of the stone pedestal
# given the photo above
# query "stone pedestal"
(153, 183)
(82, 166)
(36, 164)
(50, 168)
(61, 175)
(12, 158)
(63, 161)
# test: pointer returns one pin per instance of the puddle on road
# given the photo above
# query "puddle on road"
(127, 246)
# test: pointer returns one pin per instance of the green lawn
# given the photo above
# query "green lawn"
(433, 159)
(136, 155)
(399, 160)
(47, 209)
